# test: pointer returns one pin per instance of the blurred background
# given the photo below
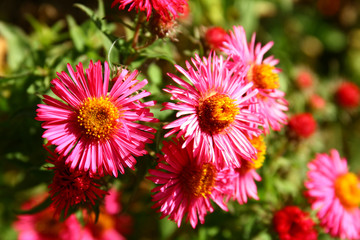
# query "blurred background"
(316, 41)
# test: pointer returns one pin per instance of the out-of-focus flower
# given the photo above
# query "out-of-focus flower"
(263, 73)
(167, 9)
(215, 111)
(214, 37)
(317, 102)
(43, 226)
(111, 223)
(187, 183)
(96, 129)
(246, 175)
(72, 188)
(291, 223)
(302, 125)
(304, 79)
(335, 193)
(348, 95)
(162, 28)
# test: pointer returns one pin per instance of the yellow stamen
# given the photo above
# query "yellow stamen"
(347, 189)
(263, 76)
(216, 113)
(98, 117)
(199, 182)
(259, 144)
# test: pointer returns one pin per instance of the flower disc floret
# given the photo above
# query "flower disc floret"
(98, 117)
(263, 76)
(347, 189)
(199, 181)
(216, 113)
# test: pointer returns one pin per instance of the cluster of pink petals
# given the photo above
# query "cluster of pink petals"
(167, 9)
(62, 129)
(334, 217)
(43, 226)
(207, 76)
(272, 103)
(244, 185)
(112, 224)
(171, 195)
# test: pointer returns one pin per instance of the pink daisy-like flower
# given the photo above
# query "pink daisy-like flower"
(186, 184)
(262, 73)
(167, 9)
(246, 175)
(215, 111)
(335, 193)
(72, 188)
(94, 128)
(111, 223)
(43, 226)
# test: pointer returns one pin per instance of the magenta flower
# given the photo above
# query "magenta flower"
(186, 183)
(111, 222)
(215, 109)
(43, 226)
(71, 189)
(262, 72)
(167, 9)
(244, 185)
(94, 128)
(335, 193)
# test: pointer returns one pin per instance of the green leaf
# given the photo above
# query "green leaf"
(18, 46)
(76, 33)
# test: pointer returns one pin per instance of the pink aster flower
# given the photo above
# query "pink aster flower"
(43, 226)
(262, 73)
(96, 129)
(186, 184)
(111, 223)
(167, 9)
(213, 110)
(245, 176)
(335, 193)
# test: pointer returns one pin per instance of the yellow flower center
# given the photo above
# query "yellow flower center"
(216, 113)
(347, 189)
(259, 144)
(199, 182)
(263, 76)
(98, 117)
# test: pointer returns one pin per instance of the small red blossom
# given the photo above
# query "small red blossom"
(317, 102)
(167, 9)
(214, 37)
(348, 95)
(302, 125)
(293, 224)
(304, 80)
(72, 188)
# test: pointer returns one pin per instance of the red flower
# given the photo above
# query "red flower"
(304, 80)
(348, 95)
(293, 224)
(317, 102)
(302, 125)
(215, 37)
(72, 188)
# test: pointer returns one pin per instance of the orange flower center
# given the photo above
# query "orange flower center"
(347, 189)
(216, 113)
(263, 76)
(259, 144)
(199, 182)
(98, 117)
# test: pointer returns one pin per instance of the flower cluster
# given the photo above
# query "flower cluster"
(226, 103)
(224, 106)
